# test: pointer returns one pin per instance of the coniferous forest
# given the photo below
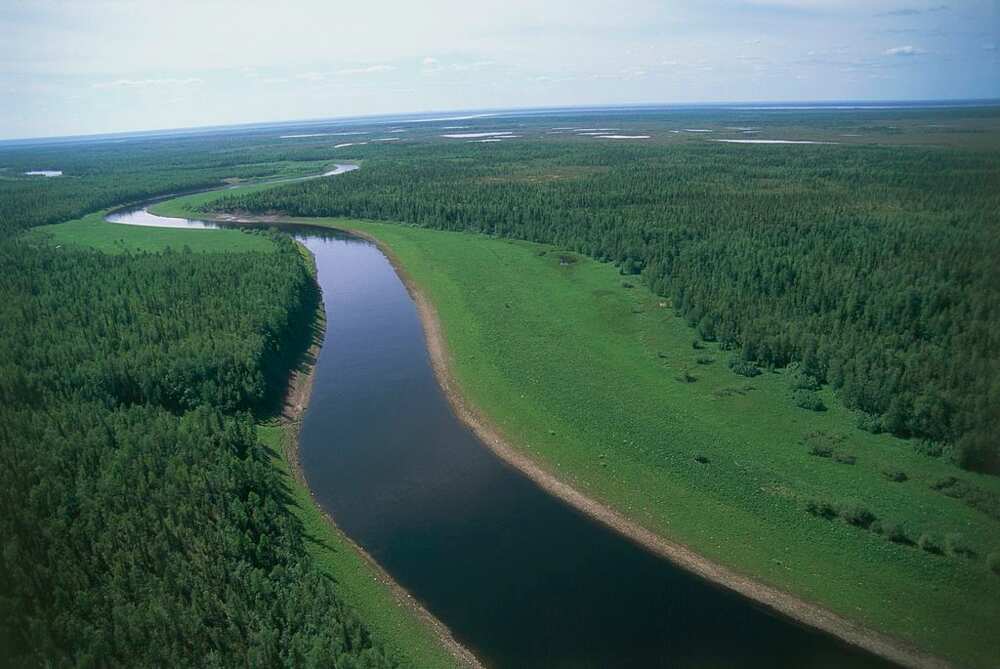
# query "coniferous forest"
(143, 523)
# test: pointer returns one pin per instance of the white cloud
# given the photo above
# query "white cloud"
(371, 69)
(912, 11)
(310, 76)
(148, 83)
(904, 51)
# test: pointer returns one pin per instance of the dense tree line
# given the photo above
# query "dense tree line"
(142, 522)
(878, 269)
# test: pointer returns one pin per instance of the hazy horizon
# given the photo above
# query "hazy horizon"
(485, 114)
(112, 67)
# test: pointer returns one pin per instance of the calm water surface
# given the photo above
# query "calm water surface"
(520, 578)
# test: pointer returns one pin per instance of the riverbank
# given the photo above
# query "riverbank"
(399, 622)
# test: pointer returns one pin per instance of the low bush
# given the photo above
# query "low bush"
(807, 399)
(821, 509)
(702, 459)
(956, 545)
(894, 475)
(978, 498)
(993, 562)
(803, 381)
(857, 515)
(744, 368)
(870, 423)
(895, 533)
(821, 450)
(704, 360)
(930, 543)
(932, 449)
(844, 458)
(686, 377)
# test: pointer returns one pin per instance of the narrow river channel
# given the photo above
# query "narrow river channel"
(522, 579)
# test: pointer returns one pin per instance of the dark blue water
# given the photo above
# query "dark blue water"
(521, 579)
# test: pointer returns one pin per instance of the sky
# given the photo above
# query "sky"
(71, 68)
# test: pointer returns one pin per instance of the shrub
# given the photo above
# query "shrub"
(697, 345)
(803, 381)
(825, 444)
(980, 499)
(807, 399)
(686, 377)
(956, 545)
(857, 515)
(744, 368)
(821, 450)
(626, 284)
(930, 543)
(704, 360)
(896, 533)
(870, 423)
(845, 458)
(993, 562)
(931, 449)
(895, 475)
(822, 509)
(702, 459)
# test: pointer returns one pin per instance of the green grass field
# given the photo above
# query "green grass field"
(94, 232)
(587, 376)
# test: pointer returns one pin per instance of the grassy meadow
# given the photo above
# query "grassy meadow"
(92, 231)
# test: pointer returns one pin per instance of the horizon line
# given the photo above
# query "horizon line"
(486, 112)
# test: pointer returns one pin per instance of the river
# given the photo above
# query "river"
(522, 579)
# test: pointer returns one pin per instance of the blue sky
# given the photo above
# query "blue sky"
(105, 66)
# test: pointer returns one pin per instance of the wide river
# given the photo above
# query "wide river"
(522, 579)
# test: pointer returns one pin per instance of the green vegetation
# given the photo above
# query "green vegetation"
(148, 520)
(149, 527)
(872, 267)
(780, 362)
(403, 635)
(552, 350)
(93, 232)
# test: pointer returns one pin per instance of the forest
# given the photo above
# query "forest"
(144, 523)
(872, 267)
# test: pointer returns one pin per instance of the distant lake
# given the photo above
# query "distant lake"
(44, 173)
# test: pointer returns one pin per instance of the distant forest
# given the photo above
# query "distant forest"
(875, 268)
